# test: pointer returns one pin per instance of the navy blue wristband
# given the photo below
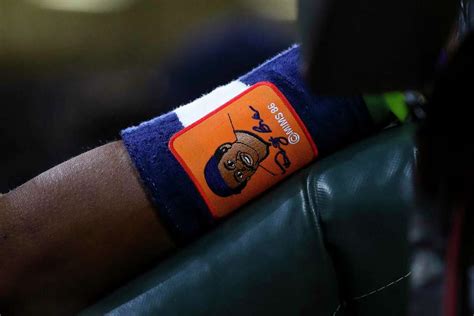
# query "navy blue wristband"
(332, 123)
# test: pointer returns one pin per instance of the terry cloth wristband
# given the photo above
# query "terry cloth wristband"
(203, 160)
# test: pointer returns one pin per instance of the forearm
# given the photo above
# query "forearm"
(88, 222)
(74, 232)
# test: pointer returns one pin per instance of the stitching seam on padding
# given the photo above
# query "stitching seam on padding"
(357, 298)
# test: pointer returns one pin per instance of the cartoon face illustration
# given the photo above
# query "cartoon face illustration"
(233, 164)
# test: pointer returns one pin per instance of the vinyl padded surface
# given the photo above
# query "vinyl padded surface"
(329, 241)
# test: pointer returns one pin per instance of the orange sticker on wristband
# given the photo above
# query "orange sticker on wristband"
(243, 148)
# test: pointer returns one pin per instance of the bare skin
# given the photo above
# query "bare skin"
(75, 232)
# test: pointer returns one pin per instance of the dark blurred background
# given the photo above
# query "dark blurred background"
(73, 73)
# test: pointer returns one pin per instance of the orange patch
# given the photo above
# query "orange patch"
(261, 140)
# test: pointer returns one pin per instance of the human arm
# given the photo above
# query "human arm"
(74, 232)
